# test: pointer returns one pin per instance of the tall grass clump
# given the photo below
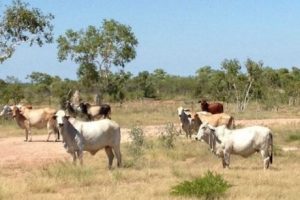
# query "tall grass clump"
(210, 186)
(68, 173)
(138, 139)
(168, 138)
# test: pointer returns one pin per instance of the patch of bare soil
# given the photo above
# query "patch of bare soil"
(16, 152)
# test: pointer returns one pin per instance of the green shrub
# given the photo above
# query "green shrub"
(293, 137)
(210, 186)
(168, 137)
(138, 139)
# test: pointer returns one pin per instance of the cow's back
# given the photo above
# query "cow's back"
(94, 110)
(215, 108)
(100, 133)
(39, 117)
(247, 140)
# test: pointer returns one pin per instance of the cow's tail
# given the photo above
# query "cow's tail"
(271, 146)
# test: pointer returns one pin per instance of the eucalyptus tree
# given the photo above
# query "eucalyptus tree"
(242, 86)
(117, 85)
(211, 84)
(112, 44)
(88, 76)
(40, 87)
(22, 24)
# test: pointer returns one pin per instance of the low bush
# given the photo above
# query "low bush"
(138, 140)
(210, 186)
(168, 138)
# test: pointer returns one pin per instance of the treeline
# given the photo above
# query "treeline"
(232, 82)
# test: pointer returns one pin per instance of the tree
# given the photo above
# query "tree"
(145, 84)
(210, 83)
(87, 74)
(22, 24)
(116, 86)
(242, 86)
(113, 44)
(13, 90)
(40, 84)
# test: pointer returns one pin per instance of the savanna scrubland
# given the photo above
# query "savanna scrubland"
(151, 171)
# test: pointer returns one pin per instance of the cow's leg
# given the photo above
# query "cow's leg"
(49, 133)
(80, 155)
(226, 159)
(223, 162)
(26, 135)
(118, 155)
(266, 158)
(58, 134)
(74, 157)
(110, 156)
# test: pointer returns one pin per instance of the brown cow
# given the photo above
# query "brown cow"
(213, 108)
(38, 118)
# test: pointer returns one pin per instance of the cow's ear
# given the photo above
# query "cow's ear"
(54, 117)
(67, 117)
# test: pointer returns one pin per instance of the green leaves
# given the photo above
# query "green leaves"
(111, 44)
(210, 186)
(22, 24)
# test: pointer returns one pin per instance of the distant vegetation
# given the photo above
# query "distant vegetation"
(231, 83)
(98, 49)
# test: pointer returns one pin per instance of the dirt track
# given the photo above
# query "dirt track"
(16, 152)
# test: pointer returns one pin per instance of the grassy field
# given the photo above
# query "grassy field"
(152, 173)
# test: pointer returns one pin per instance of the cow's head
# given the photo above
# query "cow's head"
(204, 105)
(204, 131)
(16, 111)
(83, 107)
(7, 110)
(60, 116)
(181, 110)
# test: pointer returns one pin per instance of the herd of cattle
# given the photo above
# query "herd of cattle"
(217, 129)
(96, 130)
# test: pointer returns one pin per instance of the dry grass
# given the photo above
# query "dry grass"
(154, 174)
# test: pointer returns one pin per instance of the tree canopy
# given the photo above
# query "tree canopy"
(112, 44)
(20, 24)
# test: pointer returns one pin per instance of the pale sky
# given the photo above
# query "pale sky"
(177, 36)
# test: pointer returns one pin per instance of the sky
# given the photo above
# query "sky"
(175, 35)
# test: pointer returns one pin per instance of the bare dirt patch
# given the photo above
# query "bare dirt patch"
(16, 152)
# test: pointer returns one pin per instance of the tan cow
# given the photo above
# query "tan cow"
(38, 118)
(214, 120)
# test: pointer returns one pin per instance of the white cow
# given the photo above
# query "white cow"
(244, 142)
(186, 121)
(6, 112)
(90, 136)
